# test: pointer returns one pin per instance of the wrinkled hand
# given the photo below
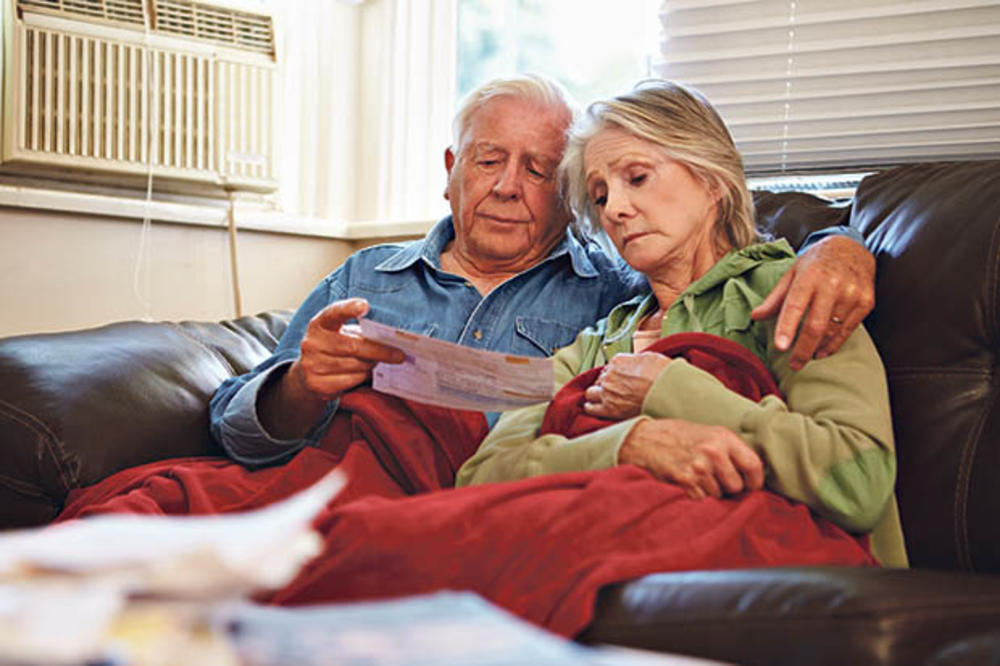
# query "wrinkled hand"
(703, 460)
(335, 356)
(623, 384)
(834, 282)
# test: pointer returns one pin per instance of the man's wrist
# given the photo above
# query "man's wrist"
(286, 408)
(837, 231)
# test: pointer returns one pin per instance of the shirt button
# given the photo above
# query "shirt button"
(477, 334)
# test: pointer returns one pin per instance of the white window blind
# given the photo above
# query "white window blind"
(816, 85)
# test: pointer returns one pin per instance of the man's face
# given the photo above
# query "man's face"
(502, 185)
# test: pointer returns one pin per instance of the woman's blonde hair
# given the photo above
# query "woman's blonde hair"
(681, 122)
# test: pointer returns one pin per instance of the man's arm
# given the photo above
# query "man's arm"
(233, 414)
(252, 418)
(829, 291)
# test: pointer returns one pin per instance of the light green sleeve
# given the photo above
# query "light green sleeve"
(828, 445)
(513, 449)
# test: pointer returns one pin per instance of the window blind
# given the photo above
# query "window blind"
(809, 85)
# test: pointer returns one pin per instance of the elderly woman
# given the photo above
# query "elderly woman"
(657, 168)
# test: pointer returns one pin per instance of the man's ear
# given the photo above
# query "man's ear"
(449, 163)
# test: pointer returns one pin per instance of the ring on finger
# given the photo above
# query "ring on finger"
(836, 320)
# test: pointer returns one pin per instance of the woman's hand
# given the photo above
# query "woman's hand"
(703, 460)
(619, 391)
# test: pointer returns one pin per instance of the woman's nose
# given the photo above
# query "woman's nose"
(617, 207)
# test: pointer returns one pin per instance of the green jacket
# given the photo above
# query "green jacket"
(829, 444)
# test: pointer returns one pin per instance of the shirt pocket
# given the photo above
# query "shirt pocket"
(404, 309)
(534, 335)
(411, 324)
(375, 286)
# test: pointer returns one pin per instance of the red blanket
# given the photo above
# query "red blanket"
(540, 547)
(732, 364)
(385, 446)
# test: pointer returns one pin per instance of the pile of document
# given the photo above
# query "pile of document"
(64, 588)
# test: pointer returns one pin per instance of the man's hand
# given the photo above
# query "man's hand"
(703, 460)
(833, 286)
(335, 356)
(623, 384)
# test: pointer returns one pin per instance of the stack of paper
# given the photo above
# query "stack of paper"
(61, 587)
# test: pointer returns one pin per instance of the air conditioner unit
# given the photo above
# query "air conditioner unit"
(108, 90)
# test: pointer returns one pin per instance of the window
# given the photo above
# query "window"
(595, 48)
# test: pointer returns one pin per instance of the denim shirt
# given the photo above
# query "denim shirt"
(533, 314)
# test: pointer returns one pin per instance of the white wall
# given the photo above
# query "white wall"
(61, 271)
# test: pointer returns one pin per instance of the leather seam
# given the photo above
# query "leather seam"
(43, 433)
(22, 488)
(992, 280)
(963, 483)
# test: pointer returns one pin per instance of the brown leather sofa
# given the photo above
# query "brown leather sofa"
(75, 407)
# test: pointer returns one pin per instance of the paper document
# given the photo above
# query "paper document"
(177, 555)
(450, 375)
(441, 629)
(64, 587)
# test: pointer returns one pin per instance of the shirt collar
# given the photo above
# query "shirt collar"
(433, 244)
(429, 248)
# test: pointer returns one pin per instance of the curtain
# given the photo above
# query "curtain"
(366, 102)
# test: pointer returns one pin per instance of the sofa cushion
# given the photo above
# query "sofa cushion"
(76, 407)
(794, 616)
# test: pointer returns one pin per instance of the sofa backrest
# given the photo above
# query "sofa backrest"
(935, 232)
(78, 406)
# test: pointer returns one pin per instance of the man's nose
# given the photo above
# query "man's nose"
(508, 185)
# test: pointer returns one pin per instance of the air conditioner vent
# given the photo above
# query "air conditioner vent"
(110, 105)
(128, 12)
(243, 30)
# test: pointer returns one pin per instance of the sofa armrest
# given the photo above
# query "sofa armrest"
(76, 407)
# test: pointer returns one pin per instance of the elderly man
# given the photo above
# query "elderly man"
(500, 273)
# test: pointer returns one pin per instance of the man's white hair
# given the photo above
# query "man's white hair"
(531, 87)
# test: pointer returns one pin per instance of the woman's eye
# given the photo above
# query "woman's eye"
(599, 201)
(638, 180)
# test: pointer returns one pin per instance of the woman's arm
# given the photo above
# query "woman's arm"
(829, 444)
(513, 449)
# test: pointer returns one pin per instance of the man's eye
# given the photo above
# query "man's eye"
(489, 162)
(539, 172)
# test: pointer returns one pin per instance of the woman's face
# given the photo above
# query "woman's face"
(652, 207)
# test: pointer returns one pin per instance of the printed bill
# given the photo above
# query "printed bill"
(443, 373)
